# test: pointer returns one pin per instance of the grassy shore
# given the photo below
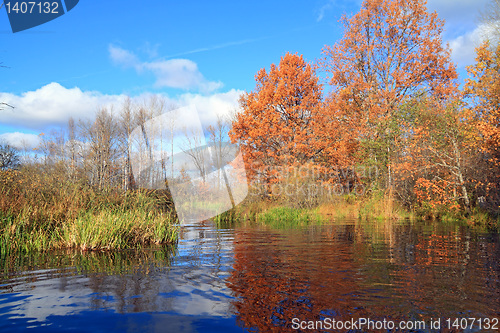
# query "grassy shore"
(377, 206)
(42, 212)
(278, 213)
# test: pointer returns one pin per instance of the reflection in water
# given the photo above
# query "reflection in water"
(57, 284)
(153, 290)
(258, 279)
(397, 272)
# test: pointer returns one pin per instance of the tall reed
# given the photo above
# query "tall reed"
(41, 211)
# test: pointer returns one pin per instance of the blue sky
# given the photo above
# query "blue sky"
(192, 52)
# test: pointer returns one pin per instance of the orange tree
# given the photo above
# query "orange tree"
(391, 51)
(277, 125)
(482, 92)
(439, 155)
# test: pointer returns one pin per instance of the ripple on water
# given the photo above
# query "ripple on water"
(258, 278)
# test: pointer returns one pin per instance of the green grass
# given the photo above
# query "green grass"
(228, 218)
(242, 213)
(476, 219)
(379, 206)
(281, 217)
(103, 230)
(268, 214)
(19, 233)
(118, 229)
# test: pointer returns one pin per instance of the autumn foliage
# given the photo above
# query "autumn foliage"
(483, 89)
(393, 104)
(279, 124)
(482, 94)
(391, 51)
(439, 153)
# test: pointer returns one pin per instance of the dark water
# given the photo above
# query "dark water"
(259, 279)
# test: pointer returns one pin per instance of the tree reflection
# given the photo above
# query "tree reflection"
(395, 272)
(310, 280)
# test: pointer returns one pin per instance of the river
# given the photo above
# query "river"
(257, 279)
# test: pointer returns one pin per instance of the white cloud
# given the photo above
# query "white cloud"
(336, 6)
(209, 107)
(21, 140)
(150, 50)
(463, 30)
(179, 73)
(173, 73)
(52, 105)
(463, 47)
(323, 9)
(122, 57)
(458, 12)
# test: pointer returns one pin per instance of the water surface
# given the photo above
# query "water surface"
(253, 278)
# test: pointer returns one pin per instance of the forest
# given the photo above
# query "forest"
(390, 118)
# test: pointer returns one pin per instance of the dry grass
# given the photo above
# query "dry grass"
(378, 205)
(44, 210)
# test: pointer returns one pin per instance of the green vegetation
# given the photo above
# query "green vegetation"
(285, 217)
(274, 216)
(117, 229)
(377, 205)
(42, 211)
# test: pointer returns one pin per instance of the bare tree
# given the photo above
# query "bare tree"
(150, 139)
(218, 139)
(103, 151)
(491, 18)
(127, 120)
(159, 137)
(72, 146)
(149, 131)
(194, 146)
(52, 146)
(9, 156)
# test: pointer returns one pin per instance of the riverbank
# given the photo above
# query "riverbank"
(40, 212)
(45, 211)
(377, 206)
